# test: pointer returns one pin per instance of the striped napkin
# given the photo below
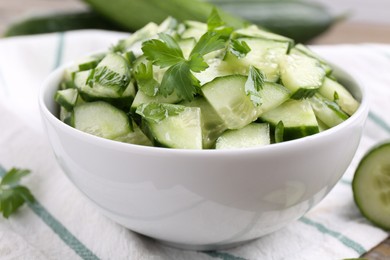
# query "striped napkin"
(62, 224)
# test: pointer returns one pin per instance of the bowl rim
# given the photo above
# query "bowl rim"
(52, 80)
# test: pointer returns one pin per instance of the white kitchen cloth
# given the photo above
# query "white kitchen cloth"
(62, 224)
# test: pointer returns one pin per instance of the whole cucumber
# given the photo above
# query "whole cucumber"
(59, 22)
(299, 20)
(134, 14)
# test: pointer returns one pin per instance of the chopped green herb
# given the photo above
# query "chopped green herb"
(143, 74)
(163, 53)
(209, 42)
(254, 84)
(156, 112)
(179, 78)
(214, 20)
(239, 48)
(12, 194)
(106, 77)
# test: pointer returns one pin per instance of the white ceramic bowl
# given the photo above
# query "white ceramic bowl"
(203, 199)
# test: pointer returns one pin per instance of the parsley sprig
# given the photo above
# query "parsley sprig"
(12, 194)
(166, 53)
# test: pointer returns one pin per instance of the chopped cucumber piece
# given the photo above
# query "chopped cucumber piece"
(135, 137)
(371, 185)
(67, 98)
(327, 111)
(302, 75)
(333, 90)
(272, 95)
(212, 124)
(252, 135)
(264, 55)
(301, 49)
(66, 116)
(112, 72)
(255, 32)
(235, 108)
(101, 119)
(173, 126)
(142, 98)
(297, 116)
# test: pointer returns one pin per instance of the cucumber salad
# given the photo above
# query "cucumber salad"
(195, 85)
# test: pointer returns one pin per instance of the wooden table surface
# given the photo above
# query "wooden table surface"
(344, 32)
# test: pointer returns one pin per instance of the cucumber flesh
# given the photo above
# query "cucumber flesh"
(236, 109)
(181, 129)
(264, 55)
(371, 185)
(301, 49)
(67, 98)
(327, 111)
(302, 75)
(331, 89)
(212, 124)
(101, 119)
(297, 116)
(252, 135)
(273, 95)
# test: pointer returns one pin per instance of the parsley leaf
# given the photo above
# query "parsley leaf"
(214, 20)
(209, 42)
(12, 194)
(179, 77)
(197, 63)
(156, 112)
(254, 84)
(108, 78)
(239, 48)
(163, 53)
(143, 74)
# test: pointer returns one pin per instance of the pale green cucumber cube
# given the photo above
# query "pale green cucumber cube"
(235, 108)
(252, 135)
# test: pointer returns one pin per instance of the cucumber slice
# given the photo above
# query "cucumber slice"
(273, 95)
(297, 116)
(252, 135)
(66, 98)
(301, 49)
(142, 98)
(264, 55)
(101, 119)
(255, 32)
(235, 108)
(327, 111)
(212, 124)
(173, 126)
(135, 137)
(371, 185)
(333, 90)
(302, 75)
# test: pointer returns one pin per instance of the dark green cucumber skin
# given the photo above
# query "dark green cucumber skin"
(60, 22)
(134, 14)
(301, 21)
(289, 133)
(377, 148)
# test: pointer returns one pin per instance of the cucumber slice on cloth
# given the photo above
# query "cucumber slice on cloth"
(371, 185)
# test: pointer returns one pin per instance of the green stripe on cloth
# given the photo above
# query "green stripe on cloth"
(58, 228)
(343, 239)
(379, 121)
(223, 256)
(59, 50)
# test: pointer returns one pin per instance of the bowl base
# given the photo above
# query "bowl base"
(204, 247)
